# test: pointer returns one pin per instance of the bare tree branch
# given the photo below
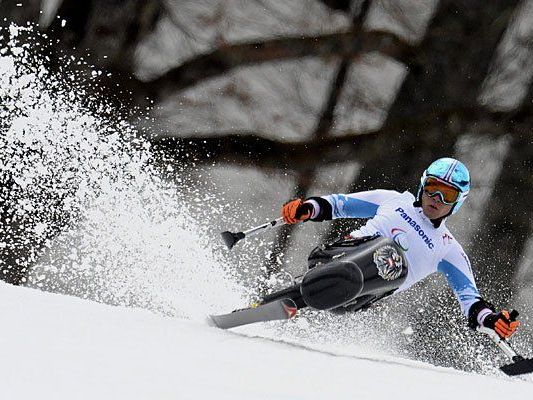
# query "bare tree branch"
(257, 149)
(325, 123)
(224, 59)
(342, 5)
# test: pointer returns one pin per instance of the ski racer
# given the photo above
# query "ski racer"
(416, 225)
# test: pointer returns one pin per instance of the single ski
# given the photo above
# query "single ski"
(277, 310)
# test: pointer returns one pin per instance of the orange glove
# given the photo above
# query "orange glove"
(501, 323)
(295, 211)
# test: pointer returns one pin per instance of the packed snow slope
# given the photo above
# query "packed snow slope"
(61, 347)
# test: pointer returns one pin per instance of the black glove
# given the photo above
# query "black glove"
(503, 323)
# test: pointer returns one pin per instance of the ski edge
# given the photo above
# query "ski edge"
(282, 309)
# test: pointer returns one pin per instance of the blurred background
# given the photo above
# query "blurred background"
(254, 102)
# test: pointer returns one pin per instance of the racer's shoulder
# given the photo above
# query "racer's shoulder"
(387, 194)
(395, 197)
(451, 244)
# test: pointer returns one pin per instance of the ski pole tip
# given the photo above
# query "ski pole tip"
(231, 238)
(520, 366)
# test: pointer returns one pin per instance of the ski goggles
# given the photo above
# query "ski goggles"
(448, 194)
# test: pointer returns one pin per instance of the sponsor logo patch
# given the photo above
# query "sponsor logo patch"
(412, 223)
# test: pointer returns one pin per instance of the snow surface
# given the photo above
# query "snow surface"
(61, 347)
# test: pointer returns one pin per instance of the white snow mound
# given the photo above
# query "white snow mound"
(61, 347)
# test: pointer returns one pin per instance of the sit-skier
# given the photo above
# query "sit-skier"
(404, 240)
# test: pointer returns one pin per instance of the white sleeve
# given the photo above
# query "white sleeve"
(456, 268)
(360, 204)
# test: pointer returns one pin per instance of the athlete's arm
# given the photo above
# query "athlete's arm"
(456, 268)
(354, 205)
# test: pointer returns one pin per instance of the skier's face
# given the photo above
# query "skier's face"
(433, 208)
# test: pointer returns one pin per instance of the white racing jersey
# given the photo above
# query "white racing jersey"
(428, 249)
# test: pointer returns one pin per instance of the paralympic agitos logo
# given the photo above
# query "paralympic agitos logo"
(400, 238)
(416, 227)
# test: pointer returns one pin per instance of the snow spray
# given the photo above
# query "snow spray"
(99, 222)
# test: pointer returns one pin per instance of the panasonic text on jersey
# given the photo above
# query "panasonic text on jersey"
(416, 227)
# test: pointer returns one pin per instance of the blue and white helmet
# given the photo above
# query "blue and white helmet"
(451, 171)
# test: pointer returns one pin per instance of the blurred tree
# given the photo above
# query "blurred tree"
(306, 175)
(108, 30)
(438, 100)
(18, 12)
(436, 104)
(343, 5)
